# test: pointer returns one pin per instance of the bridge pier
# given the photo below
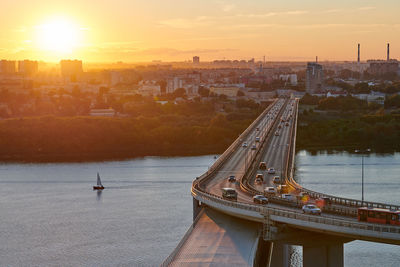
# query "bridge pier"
(328, 255)
(264, 253)
(281, 255)
(197, 207)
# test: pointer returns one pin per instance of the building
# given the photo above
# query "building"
(291, 78)
(27, 67)
(149, 88)
(173, 84)
(380, 67)
(102, 112)
(7, 67)
(196, 60)
(314, 77)
(71, 69)
(228, 91)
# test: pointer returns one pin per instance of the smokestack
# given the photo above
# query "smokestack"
(358, 58)
(388, 50)
(316, 59)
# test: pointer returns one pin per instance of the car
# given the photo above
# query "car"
(270, 190)
(229, 193)
(279, 126)
(311, 209)
(253, 147)
(244, 144)
(286, 124)
(289, 197)
(263, 165)
(276, 133)
(232, 178)
(258, 181)
(271, 170)
(260, 176)
(276, 180)
(257, 139)
(257, 129)
(260, 199)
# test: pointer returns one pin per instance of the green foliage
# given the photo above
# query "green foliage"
(53, 138)
(342, 103)
(377, 132)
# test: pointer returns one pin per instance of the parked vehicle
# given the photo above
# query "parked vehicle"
(229, 193)
(271, 170)
(253, 147)
(276, 133)
(244, 144)
(257, 139)
(311, 209)
(260, 199)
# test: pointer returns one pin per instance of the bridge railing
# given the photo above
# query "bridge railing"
(264, 210)
(333, 221)
(353, 203)
(228, 152)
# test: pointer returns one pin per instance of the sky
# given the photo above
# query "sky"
(177, 30)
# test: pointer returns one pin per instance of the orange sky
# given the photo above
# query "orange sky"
(175, 30)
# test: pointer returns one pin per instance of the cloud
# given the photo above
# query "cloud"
(183, 23)
(367, 8)
(227, 7)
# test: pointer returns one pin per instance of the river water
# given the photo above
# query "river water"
(49, 215)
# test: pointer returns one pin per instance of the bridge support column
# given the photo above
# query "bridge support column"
(196, 208)
(280, 255)
(328, 255)
(264, 253)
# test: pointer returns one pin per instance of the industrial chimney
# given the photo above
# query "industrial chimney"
(358, 58)
(388, 47)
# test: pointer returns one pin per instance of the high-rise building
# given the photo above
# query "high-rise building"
(71, 69)
(7, 67)
(27, 67)
(196, 60)
(314, 77)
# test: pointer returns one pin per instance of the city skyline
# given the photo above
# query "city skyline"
(178, 30)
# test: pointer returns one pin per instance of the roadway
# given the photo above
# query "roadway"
(237, 164)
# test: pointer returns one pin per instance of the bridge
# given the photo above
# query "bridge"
(242, 233)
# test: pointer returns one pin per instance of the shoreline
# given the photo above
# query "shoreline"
(115, 156)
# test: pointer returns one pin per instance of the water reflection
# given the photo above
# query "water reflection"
(99, 192)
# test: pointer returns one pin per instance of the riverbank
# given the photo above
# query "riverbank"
(346, 131)
(81, 139)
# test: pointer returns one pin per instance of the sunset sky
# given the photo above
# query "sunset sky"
(176, 30)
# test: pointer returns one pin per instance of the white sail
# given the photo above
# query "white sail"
(98, 180)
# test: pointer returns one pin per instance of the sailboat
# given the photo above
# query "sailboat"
(99, 186)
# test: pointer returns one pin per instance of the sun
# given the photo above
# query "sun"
(58, 35)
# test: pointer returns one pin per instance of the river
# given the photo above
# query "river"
(49, 215)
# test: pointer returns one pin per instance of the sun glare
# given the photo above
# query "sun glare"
(58, 35)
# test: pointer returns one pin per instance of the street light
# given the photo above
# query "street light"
(362, 152)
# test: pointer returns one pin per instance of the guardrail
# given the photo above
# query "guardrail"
(263, 209)
(228, 152)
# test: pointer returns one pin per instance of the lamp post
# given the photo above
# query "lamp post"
(362, 152)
